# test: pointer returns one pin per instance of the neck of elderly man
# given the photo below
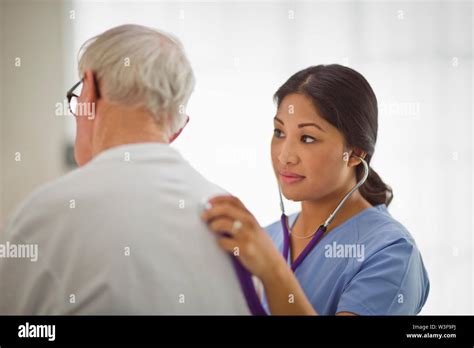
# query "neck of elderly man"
(120, 124)
(115, 124)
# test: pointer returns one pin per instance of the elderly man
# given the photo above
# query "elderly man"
(122, 233)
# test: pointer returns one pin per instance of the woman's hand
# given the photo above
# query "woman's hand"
(243, 235)
(246, 239)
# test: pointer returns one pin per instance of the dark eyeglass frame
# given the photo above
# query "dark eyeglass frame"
(70, 94)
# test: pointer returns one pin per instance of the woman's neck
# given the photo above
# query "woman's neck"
(315, 213)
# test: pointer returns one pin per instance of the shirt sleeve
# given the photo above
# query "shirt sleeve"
(35, 286)
(25, 284)
(391, 281)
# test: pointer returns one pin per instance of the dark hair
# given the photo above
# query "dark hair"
(345, 99)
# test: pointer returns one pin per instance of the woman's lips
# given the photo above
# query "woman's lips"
(290, 178)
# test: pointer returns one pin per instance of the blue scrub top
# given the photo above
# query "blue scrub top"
(368, 265)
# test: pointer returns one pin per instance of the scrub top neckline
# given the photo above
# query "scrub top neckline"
(344, 224)
(376, 207)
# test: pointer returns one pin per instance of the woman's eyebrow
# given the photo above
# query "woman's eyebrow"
(301, 125)
(278, 120)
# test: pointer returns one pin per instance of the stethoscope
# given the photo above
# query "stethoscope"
(321, 229)
(244, 276)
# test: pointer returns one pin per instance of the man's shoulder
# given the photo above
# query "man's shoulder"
(52, 192)
(110, 190)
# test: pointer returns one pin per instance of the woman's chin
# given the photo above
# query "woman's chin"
(293, 195)
(300, 194)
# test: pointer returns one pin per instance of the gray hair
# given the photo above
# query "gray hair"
(143, 67)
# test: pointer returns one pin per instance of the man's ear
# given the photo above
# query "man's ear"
(89, 89)
(85, 119)
(89, 95)
(175, 135)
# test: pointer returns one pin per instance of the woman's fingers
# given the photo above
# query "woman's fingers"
(225, 224)
(228, 199)
(224, 209)
(243, 235)
(227, 244)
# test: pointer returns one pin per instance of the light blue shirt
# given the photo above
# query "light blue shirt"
(368, 265)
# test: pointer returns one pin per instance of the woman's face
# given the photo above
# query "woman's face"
(307, 151)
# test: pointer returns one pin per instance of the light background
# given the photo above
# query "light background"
(418, 57)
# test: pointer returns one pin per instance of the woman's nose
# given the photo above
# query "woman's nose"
(287, 155)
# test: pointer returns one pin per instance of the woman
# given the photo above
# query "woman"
(366, 263)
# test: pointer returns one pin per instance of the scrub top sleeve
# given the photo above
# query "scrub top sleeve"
(387, 283)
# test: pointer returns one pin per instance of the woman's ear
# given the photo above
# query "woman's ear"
(354, 157)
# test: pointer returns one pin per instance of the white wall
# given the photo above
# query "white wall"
(29, 126)
(2, 13)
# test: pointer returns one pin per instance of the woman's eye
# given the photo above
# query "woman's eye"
(307, 139)
(278, 133)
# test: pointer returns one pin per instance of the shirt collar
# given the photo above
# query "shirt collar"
(138, 152)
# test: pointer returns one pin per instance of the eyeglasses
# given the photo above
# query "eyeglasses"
(72, 96)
